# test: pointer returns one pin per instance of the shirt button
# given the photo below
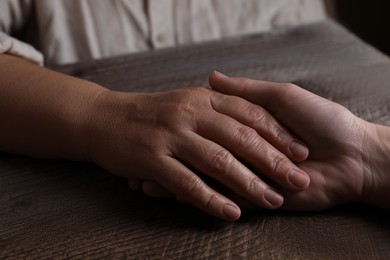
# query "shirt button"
(161, 38)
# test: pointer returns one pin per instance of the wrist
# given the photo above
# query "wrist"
(102, 132)
(377, 182)
(85, 121)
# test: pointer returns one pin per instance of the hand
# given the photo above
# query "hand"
(348, 159)
(163, 137)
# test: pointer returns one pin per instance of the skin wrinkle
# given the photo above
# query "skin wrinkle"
(247, 137)
(221, 161)
(254, 185)
(280, 135)
(279, 163)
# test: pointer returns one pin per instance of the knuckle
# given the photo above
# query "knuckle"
(177, 111)
(190, 185)
(280, 135)
(190, 101)
(205, 90)
(211, 200)
(202, 91)
(248, 137)
(255, 113)
(279, 164)
(187, 188)
(253, 185)
(181, 108)
(221, 161)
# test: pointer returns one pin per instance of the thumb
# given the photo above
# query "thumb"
(255, 91)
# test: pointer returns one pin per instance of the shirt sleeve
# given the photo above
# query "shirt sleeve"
(13, 15)
(13, 46)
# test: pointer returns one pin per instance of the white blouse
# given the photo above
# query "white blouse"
(67, 31)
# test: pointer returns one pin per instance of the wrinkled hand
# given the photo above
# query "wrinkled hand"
(164, 137)
(343, 161)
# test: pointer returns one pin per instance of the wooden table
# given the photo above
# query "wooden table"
(58, 209)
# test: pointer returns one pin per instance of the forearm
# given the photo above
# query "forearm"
(43, 113)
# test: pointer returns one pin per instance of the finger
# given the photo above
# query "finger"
(293, 106)
(154, 189)
(216, 162)
(272, 96)
(190, 189)
(135, 184)
(150, 188)
(264, 123)
(255, 91)
(246, 143)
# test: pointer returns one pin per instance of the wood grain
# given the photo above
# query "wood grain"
(57, 209)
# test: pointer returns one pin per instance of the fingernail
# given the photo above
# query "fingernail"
(299, 150)
(298, 178)
(219, 74)
(275, 199)
(231, 212)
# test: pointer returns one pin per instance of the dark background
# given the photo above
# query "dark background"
(370, 20)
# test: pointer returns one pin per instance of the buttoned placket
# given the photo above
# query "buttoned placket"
(161, 25)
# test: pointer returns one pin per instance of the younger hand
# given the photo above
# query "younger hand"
(348, 160)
